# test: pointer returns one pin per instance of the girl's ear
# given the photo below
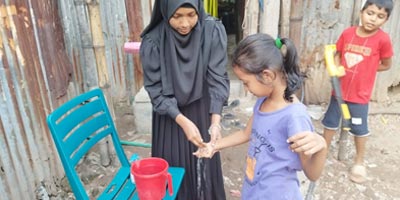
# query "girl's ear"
(268, 75)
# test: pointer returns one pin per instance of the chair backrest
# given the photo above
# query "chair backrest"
(76, 127)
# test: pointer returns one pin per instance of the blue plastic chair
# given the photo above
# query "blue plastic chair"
(76, 127)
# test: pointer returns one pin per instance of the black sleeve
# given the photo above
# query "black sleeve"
(150, 58)
(217, 76)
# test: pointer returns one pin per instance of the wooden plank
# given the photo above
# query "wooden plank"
(296, 20)
(136, 26)
(250, 20)
(98, 44)
(285, 18)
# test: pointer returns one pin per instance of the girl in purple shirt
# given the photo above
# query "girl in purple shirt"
(280, 132)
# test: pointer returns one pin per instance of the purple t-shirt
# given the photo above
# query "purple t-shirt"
(271, 167)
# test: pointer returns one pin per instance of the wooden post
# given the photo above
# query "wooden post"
(285, 18)
(135, 22)
(102, 72)
(296, 20)
(356, 12)
(98, 42)
(250, 18)
(269, 18)
(342, 152)
(240, 9)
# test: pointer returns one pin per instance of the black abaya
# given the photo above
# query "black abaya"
(186, 75)
(173, 146)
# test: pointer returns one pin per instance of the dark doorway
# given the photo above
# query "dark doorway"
(231, 14)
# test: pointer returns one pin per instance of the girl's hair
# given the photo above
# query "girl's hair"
(260, 51)
(386, 4)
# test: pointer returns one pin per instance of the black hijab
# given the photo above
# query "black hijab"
(181, 56)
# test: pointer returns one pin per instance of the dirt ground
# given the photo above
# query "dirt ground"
(382, 159)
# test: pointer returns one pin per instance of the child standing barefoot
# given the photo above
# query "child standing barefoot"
(280, 130)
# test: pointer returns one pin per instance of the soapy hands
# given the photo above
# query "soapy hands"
(206, 152)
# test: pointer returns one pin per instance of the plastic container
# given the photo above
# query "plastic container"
(151, 177)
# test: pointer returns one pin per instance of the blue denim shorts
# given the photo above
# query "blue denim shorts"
(358, 120)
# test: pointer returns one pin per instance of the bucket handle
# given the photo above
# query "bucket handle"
(170, 188)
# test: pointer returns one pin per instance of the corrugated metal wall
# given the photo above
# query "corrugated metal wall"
(51, 51)
(322, 23)
(312, 24)
(95, 32)
(32, 59)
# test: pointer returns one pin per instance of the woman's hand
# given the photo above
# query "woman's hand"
(205, 152)
(307, 143)
(191, 131)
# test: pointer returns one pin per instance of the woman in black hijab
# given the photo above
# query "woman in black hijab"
(183, 54)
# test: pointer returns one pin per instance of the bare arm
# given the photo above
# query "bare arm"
(312, 150)
(236, 138)
(337, 58)
(233, 139)
(341, 71)
(385, 64)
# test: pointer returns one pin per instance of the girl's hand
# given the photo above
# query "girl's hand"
(215, 133)
(307, 143)
(206, 152)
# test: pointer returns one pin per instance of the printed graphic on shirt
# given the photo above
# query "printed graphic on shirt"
(261, 144)
(360, 49)
(355, 54)
(352, 59)
(250, 166)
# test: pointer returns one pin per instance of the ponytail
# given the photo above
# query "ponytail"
(291, 68)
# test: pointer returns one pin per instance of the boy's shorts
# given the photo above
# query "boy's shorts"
(358, 120)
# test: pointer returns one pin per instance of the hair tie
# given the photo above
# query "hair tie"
(278, 43)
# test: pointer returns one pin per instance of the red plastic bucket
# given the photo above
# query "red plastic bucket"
(151, 176)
